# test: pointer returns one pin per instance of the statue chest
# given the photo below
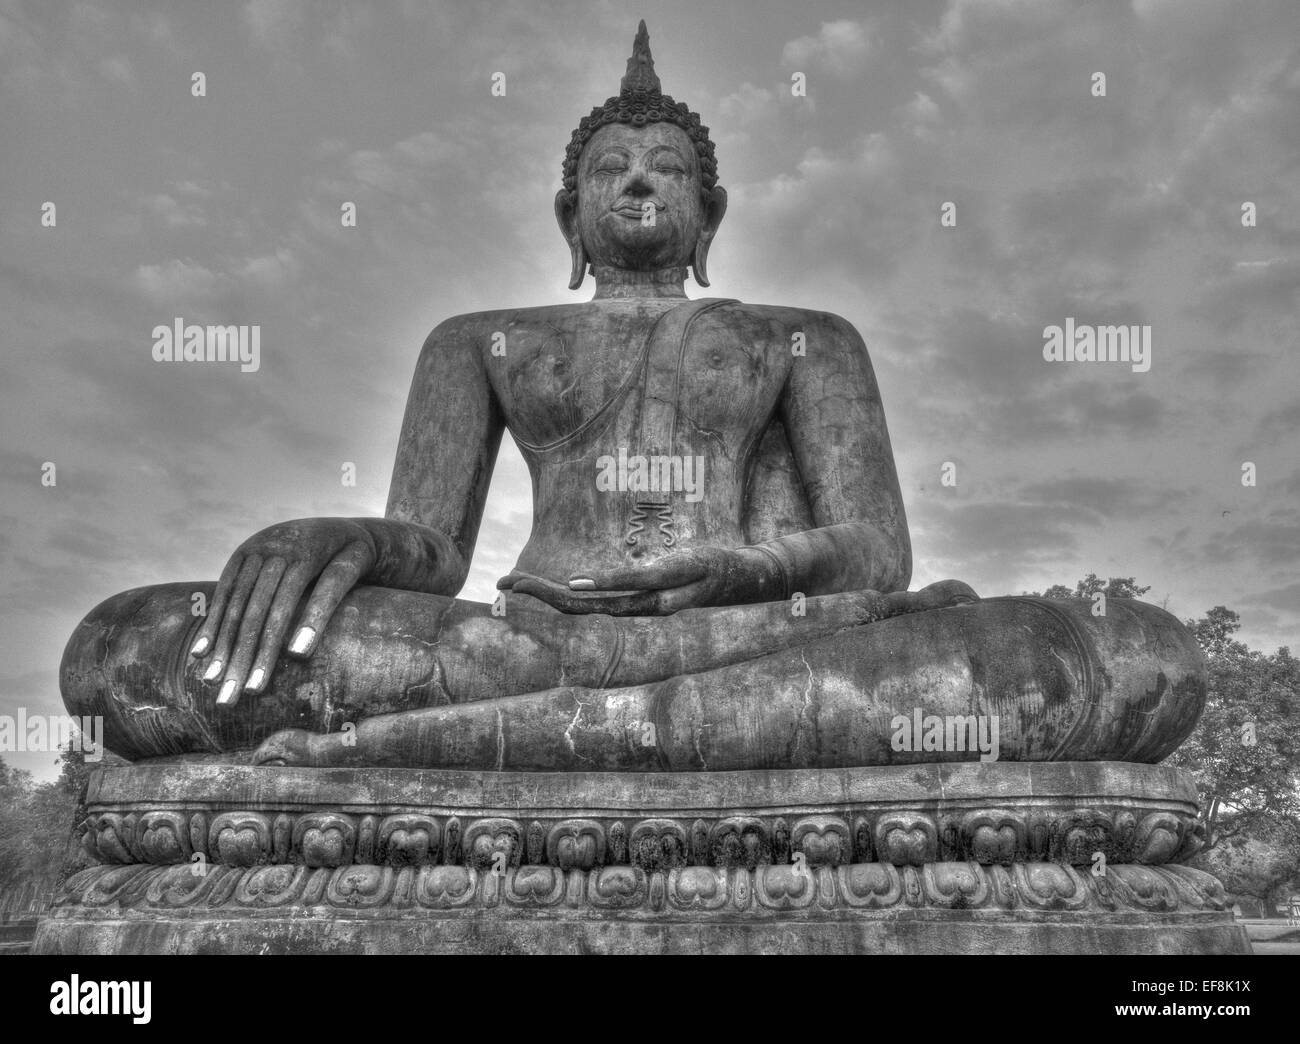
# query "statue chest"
(590, 383)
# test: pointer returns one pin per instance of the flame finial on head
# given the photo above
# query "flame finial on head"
(641, 66)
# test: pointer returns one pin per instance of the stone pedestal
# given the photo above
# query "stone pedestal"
(1067, 857)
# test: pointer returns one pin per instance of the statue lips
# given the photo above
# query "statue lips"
(635, 210)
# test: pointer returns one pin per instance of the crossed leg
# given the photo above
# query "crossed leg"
(388, 651)
(1058, 683)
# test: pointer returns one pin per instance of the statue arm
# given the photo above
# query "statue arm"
(835, 421)
(449, 441)
(448, 446)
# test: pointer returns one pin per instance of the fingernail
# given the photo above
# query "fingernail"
(200, 647)
(227, 693)
(302, 640)
(255, 680)
(582, 583)
(213, 672)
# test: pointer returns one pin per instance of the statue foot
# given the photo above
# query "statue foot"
(292, 747)
(941, 595)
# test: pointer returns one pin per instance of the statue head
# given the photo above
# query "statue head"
(641, 188)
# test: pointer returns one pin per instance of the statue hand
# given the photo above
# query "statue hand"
(696, 577)
(259, 589)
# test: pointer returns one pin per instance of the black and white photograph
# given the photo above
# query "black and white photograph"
(650, 478)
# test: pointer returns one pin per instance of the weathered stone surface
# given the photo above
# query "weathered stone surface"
(942, 858)
(330, 933)
(990, 813)
(1063, 684)
(859, 907)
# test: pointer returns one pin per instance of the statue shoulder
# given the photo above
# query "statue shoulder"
(462, 337)
(476, 328)
(466, 327)
(784, 321)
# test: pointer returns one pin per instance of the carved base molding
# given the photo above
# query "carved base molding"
(957, 858)
(859, 907)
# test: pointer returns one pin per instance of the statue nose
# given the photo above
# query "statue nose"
(638, 184)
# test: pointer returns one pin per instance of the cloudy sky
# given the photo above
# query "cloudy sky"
(226, 209)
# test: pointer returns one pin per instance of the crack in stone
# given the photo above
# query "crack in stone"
(568, 733)
(430, 643)
(803, 710)
(695, 736)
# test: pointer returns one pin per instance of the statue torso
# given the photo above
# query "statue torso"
(584, 399)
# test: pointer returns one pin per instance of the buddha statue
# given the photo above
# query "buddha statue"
(718, 568)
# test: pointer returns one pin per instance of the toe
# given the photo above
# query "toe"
(290, 747)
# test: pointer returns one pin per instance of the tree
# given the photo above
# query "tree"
(1264, 867)
(1245, 751)
(73, 778)
(1214, 631)
(41, 824)
(15, 825)
(1092, 585)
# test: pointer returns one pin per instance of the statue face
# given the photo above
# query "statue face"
(622, 169)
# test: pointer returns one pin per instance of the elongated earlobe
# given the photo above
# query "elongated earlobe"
(566, 213)
(714, 209)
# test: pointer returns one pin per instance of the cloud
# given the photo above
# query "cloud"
(996, 546)
(840, 48)
(414, 174)
(117, 69)
(1108, 218)
(976, 41)
(1267, 543)
(746, 104)
(817, 212)
(1227, 365)
(1243, 292)
(156, 27)
(1285, 598)
(1107, 496)
(273, 23)
(270, 271)
(344, 30)
(1282, 423)
(173, 213)
(921, 116)
(177, 283)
